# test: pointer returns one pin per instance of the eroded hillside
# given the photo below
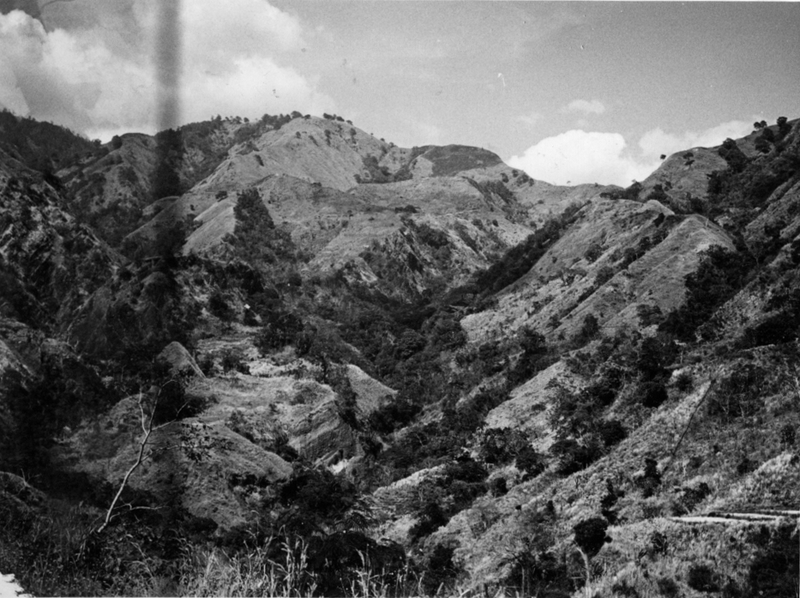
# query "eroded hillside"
(422, 357)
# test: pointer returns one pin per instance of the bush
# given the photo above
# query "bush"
(574, 456)
(590, 535)
(232, 361)
(787, 435)
(440, 571)
(684, 382)
(612, 432)
(738, 395)
(702, 578)
(605, 274)
(218, 306)
(501, 445)
(590, 328)
(667, 587)
(280, 328)
(394, 415)
(774, 570)
(651, 480)
(690, 498)
(653, 394)
(530, 462)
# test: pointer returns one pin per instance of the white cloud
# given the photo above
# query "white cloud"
(656, 142)
(585, 107)
(83, 73)
(578, 156)
(531, 119)
(582, 157)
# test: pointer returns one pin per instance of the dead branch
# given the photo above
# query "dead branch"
(147, 429)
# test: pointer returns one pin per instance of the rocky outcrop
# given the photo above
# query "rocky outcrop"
(180, 361)
(208, 470)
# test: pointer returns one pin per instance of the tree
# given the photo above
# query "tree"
(166, 397)
(589, 329)
(590, 535)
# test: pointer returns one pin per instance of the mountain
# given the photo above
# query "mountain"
(285, 340)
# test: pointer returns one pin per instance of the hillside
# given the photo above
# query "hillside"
(247, 343)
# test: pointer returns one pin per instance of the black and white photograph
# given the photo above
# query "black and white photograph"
(399, 298)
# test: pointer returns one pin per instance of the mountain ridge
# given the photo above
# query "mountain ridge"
(423, 345)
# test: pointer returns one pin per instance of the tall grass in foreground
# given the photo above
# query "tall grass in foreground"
(255, 573)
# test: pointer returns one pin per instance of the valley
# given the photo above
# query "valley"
(332, 366)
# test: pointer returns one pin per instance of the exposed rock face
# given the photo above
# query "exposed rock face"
(180, 361)
(208, 470)
(302, 413)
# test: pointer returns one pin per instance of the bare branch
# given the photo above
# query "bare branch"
(147, 428)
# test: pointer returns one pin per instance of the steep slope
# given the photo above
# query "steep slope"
(619, 259)
(49, 261)
(676, 399)
(114, 186)
(426, 346)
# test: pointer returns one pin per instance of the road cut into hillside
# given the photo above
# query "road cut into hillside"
(726, 518)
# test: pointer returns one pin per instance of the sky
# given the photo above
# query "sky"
(571, 92)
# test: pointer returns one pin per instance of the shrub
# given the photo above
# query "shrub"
(218, 306)
(731, 153)
(501, 445)
(440, 570)
(653, 394)
(773, 571)
(499, 487)
(533, 358)
(574, 456)
(605, 274)
(612, 432)
(394, 415)
(702, 578)
(280, 328)
(590, 535)
(690, 498)
(745, 465)
(431, 518)
(593, 253)
(655, 353)
(232, 361)
(658, 543)
(651, 479)
(738, 395)
(787, 435)
(667, 587)
(778, 328)
(609, 501)
(530, 462)
(590, 328)
(684, 382)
